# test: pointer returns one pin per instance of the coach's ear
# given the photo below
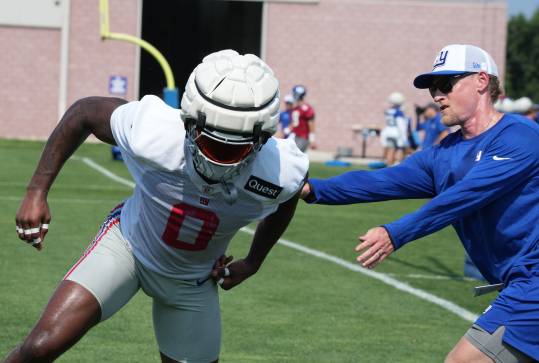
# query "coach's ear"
(482, 80)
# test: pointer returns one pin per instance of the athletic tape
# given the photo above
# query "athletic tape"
(221, 280)
(227, 272)
(36, 241)
(45, 226)
(34, 230)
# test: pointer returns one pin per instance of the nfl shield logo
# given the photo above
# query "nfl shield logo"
(206, 189)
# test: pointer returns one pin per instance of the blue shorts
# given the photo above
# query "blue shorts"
(517, 308)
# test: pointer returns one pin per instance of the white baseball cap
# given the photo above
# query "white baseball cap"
(457, 59)
(288, 98)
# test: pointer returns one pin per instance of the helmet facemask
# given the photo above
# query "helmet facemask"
(220, 155)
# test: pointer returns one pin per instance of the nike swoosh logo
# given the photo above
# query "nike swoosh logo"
(495, 157)
(200, 282)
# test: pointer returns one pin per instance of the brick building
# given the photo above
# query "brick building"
(350, 54)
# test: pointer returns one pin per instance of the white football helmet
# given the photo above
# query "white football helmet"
(396, 98)
(508, 105)
(299, 92)
(522, 105)
(230, 108)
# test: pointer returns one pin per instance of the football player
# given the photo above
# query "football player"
(302, 118)
(201, 173)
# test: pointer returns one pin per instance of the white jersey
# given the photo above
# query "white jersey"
(396, 128)
(176, 223)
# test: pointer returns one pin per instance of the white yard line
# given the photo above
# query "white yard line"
(445, 304)
(434, 277)
(92, 164)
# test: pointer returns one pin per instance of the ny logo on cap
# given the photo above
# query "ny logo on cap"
(440, 61)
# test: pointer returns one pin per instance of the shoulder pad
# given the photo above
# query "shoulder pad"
(277, 173)
(157, 134)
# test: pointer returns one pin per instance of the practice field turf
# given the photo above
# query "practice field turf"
(298, 308)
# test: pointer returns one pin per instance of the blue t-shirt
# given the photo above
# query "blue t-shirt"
(433, 127)
(284, 118)
(487, 187)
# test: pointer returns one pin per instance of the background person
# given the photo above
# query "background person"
(432, 126)
(525, 107)
(201, 173)
(285, 116)
(303, 128)
(394, 135)
(483, 180)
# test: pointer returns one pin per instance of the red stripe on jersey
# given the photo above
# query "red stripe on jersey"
(100, 235)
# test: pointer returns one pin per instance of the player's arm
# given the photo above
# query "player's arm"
(87, 116)
(267, 233)
(312, 129)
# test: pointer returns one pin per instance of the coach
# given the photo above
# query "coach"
(484, 180)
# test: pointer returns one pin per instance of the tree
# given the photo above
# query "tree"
(522, 62)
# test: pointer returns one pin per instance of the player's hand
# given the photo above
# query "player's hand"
(33, 218)
(375, 246)
(228, 274)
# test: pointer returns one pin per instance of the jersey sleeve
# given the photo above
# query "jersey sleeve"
(296, 165)
(308, 112)
(278, 173)
(506, 164)
(150, 131)
(121, 123)
(410, 179)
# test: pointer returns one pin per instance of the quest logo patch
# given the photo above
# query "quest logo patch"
(263, 188)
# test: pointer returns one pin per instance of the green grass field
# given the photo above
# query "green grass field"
(298, 308)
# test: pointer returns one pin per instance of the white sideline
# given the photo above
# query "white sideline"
(445, 304)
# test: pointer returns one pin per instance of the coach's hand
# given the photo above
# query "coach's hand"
(228, 274)
(33, 218)
(376, 246)
(305, 191)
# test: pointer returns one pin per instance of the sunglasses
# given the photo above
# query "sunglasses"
(445, 84)
(221, 151)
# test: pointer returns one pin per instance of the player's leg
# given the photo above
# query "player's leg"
(70, 313)
(390, 160)
(302, 143)
(186, 317)
(165, 359)
(189, 332)
(97, 286)
(477, 345)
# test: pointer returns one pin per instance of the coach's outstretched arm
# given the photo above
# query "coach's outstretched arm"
(87, 116)
(267, 233)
